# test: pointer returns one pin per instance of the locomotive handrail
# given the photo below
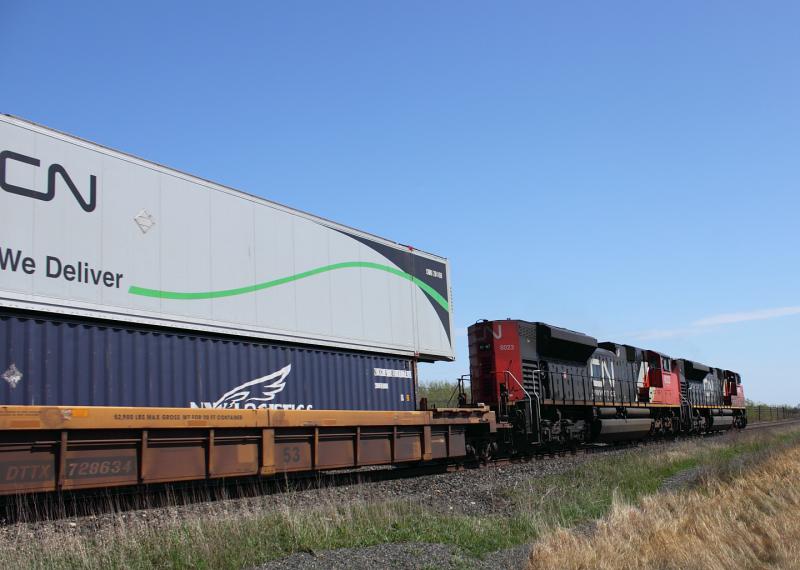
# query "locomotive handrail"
(530, 401)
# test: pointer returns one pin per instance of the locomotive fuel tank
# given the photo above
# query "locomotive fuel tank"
(608, 430)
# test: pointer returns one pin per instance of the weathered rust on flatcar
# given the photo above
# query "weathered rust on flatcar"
(65, 448)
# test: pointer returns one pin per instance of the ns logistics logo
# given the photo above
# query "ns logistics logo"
(258, 393)
(255, 394)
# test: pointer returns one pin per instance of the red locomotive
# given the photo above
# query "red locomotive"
(555, 387)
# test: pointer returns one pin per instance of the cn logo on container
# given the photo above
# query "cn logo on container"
(54, 171)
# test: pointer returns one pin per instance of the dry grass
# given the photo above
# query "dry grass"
(743, 517)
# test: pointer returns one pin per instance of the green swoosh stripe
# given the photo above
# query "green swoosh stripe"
(134, 290)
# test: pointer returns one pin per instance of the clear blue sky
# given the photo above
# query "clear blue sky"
(627, 169)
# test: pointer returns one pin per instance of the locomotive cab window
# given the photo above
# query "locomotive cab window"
(666, 365)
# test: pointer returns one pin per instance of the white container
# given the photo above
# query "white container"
(93, 232)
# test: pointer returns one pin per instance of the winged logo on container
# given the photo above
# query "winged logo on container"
(269, 387)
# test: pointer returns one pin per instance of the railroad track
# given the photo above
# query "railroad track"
(38, 508)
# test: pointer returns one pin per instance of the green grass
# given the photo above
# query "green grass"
(439, 393)
(239, 537)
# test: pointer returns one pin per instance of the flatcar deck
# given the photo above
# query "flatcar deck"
(64, 448)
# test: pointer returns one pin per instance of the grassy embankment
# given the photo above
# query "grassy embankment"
(739, 516)
(230, 535)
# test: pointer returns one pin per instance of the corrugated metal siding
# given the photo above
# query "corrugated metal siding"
(706, 393)
(67, 362)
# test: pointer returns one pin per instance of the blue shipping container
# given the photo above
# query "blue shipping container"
(51, 361)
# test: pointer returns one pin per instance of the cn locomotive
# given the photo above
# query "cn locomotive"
(553, 387)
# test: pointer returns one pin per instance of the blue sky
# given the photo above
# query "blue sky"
(626, 169)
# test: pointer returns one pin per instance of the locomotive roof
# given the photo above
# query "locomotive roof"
(697, 365)
(562, 333)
